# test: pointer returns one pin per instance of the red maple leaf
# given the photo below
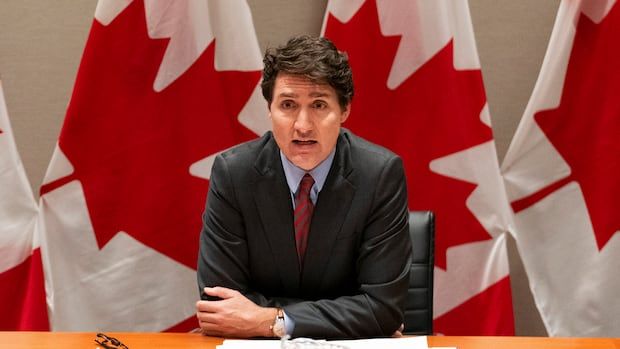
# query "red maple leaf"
(585, 128)
(132, 147)
(434, 113)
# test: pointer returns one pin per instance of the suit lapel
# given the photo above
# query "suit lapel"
(329, 214)
(273, 202)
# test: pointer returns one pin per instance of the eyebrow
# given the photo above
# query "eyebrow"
(294, 95)
(319, 94)
(287, 94)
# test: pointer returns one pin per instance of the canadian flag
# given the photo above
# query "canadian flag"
(562, 173)
(163, 86)
(419, 92)
(22, 292)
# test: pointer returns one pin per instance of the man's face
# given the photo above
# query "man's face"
(306, 119)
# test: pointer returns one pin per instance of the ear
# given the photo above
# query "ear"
(345, 113)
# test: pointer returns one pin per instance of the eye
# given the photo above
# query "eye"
(319, 105)
(287, 104)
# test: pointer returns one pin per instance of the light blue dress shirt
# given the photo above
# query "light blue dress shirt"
(294, 175)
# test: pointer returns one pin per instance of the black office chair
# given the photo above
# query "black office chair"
(419, 305)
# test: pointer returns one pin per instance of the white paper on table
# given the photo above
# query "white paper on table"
(383, 343)
(249, 343)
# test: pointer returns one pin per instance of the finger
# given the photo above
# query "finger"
(221, 292)
(208, 306)
(397, 334)
(211, 329)
(219, 330)
(211, 318)
(401, 328)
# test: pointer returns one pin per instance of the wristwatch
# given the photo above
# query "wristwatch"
(277, 328)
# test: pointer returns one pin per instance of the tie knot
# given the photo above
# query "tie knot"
(306, 183)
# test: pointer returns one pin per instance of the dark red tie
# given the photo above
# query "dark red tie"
(303, 215)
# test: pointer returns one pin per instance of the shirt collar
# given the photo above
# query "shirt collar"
(319, 174)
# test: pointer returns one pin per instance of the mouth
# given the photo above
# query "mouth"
(304, 142)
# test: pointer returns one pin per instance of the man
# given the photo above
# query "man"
(305, 231)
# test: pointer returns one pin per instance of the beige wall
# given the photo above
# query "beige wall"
(41, 44)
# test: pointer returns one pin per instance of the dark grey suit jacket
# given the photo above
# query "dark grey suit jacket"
(354, 279)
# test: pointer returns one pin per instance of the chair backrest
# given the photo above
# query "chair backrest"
(419, 305)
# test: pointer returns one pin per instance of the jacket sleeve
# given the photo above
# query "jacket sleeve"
(383, 266)
(223, 256)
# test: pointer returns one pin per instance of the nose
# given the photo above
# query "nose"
(303, 122)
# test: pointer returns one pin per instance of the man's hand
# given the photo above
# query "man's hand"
(234, 315)
(399, 333)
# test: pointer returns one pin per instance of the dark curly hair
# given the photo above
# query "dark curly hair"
(315, 58)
